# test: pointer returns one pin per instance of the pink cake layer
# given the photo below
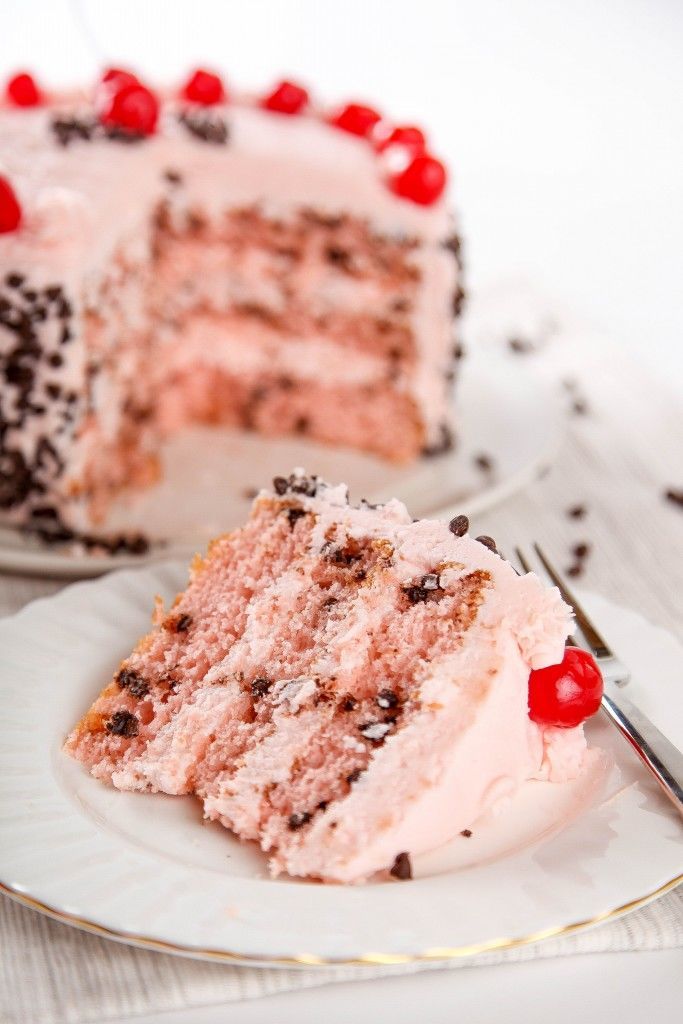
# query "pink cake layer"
(277, 252)
(338, 683)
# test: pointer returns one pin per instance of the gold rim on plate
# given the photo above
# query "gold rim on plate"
(366, 960)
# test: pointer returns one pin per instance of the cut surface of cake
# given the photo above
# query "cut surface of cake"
(344, 686)
(228, 265)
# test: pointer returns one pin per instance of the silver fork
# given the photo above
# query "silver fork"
(658, 753)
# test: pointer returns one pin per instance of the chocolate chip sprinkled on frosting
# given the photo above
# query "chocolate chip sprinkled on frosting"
(459, 525)
(402, 868)
(487, 541)
(466, 832)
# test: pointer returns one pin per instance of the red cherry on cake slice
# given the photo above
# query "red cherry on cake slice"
(408, 136)
(204, 87)
(422, 181)
(286, 98)
(357, 119)
(133, 108)
(10, 210)
(567, 694)
(22, 90)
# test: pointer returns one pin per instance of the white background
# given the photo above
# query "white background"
(562, 121)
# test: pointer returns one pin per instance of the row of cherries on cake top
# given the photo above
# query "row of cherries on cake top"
(124, 102)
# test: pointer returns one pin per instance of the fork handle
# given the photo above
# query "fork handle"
(658, 753)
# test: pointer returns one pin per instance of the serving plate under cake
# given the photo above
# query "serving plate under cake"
(146, 870)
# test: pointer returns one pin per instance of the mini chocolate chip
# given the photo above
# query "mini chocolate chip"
(293, 514)
(122, 723)
(520, 345)
(386, 699)
(488, 542)
(576, 511)
(208, 128)
(30, 294)
(402, 868)
(340, 257)
(575, 570)
(579, 407)
(260, 687)
(53, 390)
(14, 280)
(173, 177)
(466, 832)
(459, 525)
(301, 424)
(53, 292)
(298, 820)
(458, 300)
(349, 703)
(129, 679)
(323, 805)
(483, 462)
(55, 360)
(354, 776)
(280, 485)
(581, 550)
(183, 623)
(674, 495)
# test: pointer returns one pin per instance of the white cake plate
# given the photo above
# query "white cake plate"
(144, 869)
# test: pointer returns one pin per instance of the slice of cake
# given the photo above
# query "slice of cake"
(338, 683)
(194, 257)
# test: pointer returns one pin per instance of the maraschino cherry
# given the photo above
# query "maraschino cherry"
(116, 78)
(407, 136)
(567, 694)
(132, 107)
(22, 90)
(10, 209)
(422, 181)
(357, 119)
(204, 87)
(286, 98)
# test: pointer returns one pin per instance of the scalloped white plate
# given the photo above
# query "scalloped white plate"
(143, 868)
(507, 410)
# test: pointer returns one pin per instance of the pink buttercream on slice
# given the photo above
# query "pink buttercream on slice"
(347, 685)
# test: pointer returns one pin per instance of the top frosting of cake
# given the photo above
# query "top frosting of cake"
(76, 194)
